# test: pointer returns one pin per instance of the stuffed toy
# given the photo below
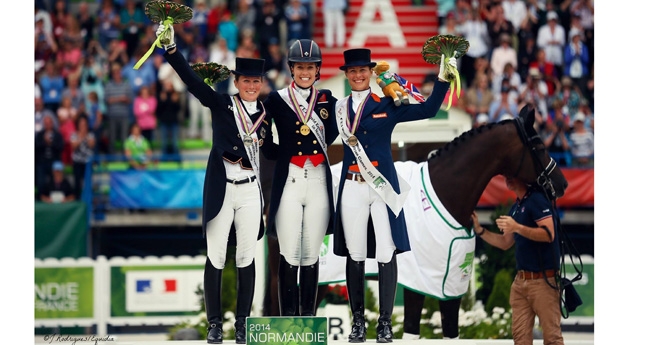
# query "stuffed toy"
(389, 84)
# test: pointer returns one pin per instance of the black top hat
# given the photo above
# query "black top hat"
(249, 67)
(357, 57)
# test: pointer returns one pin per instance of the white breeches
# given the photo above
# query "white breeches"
(303, 214)
(242, 207)
(358, 201)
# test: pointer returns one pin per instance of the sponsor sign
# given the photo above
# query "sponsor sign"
(300, 330)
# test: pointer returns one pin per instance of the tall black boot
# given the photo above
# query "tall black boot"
(287, 288)
(309, 283)
(387, 277)
(355, 287)
(213, 302)
(245, 291)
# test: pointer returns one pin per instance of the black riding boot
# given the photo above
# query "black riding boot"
(355, 287)
(245, 291)
(309, 282)
(287, 288)
(213, 301)
(387, 277)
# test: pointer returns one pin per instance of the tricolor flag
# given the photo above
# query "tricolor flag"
(167, 290)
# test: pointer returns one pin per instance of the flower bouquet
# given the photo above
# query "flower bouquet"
(168, 13)
(449, 46)
(211, 72)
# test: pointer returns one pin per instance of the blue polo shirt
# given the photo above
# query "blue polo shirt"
(532, 255)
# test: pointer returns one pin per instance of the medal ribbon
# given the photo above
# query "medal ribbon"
(245, 117)
(358, 113)
(310, 109)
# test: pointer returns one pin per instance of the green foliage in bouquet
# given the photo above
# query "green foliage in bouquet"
(449, 46)
(211, 72)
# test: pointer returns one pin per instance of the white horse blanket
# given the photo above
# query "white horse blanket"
(441, 260)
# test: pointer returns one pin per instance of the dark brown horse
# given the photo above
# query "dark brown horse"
(459, 172)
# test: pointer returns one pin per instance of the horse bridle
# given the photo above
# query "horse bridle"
(543, 179)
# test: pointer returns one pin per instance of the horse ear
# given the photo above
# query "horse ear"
(527, 115)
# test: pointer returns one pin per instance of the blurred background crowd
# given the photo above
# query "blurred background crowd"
(89, 100)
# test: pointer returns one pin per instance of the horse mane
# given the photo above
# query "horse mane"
(450, 146)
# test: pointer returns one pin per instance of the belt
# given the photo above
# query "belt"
(355, 177)
(245, 180)
(526, 275)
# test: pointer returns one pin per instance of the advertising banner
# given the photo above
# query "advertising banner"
(276, 330)
(64, 292)
(157, 189)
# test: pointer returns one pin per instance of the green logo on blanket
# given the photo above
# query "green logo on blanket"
(466, 266)
(378, 182)
(325, 245)
(300, 330)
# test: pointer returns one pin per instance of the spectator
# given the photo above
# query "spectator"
(275, 66)
(218, 10)
(228, 30)
(535, 91)
(475, 31)
(58, 189)
(69, 59)
(73, 91)
(479, 96)
(547, 71)
(167, 112)
(502, 106)
(514, 83)
(515, 12)
(131, 22)
(268, 26)
(552, 38)
(582, 143)
(569, 95)
(450, 27)
(245, 16)
(445, 7)
(52, 85)
(119, 98)
(67, 115)
(144, 109)
(83, 143)
(333, 22)
(59, 17)
(48, 146)
(87, 20)
(116, 54)
(108, 23)
(576, 58)
(584, 11)
(199, 19)
(555, 137)
(143, 76)
(219, 53)
(503, 54)
(137, 149)
(297, 21)
(72, 32)
(248, 49)
(95, 118)
(199, 115)
(45, 46)
(40, 112)
(526, 54)
(91, 80)
(498, 24)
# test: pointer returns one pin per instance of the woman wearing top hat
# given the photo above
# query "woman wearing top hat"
(369, 187)
(301, 207)
(232, 205)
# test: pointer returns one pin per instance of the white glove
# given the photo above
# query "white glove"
(167, 40)
(443, 75)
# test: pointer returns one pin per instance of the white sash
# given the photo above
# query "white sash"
(315, 124)
(253, 148)
(371, 175)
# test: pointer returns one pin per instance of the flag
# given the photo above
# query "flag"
(410, 87)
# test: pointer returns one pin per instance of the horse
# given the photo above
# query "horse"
(459, 173)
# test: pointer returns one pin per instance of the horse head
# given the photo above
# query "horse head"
(544, 172)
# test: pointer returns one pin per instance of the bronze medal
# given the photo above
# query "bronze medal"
(352, 140)
(247, 140)
(304, 130)
(324, 113)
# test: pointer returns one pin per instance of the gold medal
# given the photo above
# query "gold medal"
(352, 140)
(324, 113)
(247, 140)
(304, 130)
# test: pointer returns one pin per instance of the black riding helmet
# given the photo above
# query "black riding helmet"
(304, 51)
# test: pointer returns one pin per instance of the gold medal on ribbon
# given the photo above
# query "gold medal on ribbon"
(247, 140)
(352, 140)
(324, 113)
(304, 130)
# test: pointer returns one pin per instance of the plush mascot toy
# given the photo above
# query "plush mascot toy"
(390, 84)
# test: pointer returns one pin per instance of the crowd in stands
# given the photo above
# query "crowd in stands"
(88, 96)
(531, 51)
